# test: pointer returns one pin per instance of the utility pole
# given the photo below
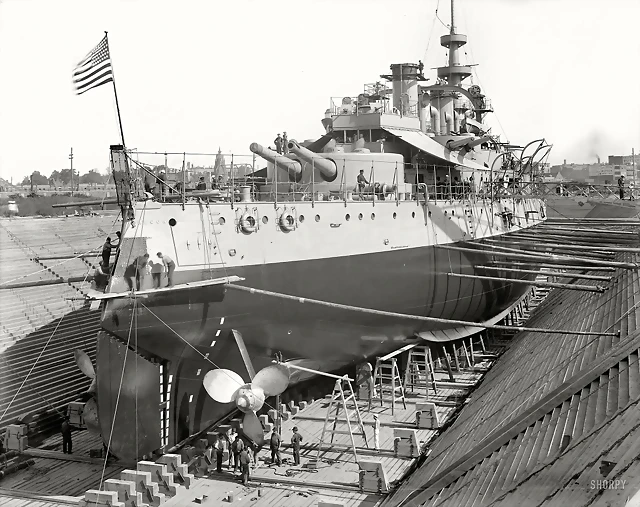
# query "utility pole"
(71, 158)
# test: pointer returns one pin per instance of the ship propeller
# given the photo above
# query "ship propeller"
(226, 386)
(86, 366)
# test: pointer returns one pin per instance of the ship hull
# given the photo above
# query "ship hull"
(191, 333)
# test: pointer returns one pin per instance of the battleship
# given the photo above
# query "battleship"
(353, 244)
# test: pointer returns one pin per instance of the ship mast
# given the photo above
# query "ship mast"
(454, 73)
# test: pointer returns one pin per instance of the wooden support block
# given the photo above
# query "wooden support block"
(159, 475)
(75, 412)
(273, 414)
(150, 490)
(200, 499)
(286, 415)
(294, 410)
(268, 427)
(127, 493)
(373, 478)
(264, 419)
(180, 472)
(427, 416)
(303, 404)
(102, 498)
(223, 428)
(405, 443)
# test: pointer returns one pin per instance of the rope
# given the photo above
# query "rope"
(409, 316)
(115, 411)
(32, 368)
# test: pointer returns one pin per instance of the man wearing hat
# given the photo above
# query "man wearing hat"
(376, 432)
(620, 186)
(278, 142)
(295, 442)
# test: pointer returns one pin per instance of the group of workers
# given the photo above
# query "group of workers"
(141, 265)
(243, 454)
(281, 143)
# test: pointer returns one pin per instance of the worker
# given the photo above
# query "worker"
(278, 142)
(230, 435)
(621, 186)
(136, 269)
(201, 184)
(295, 442)
(157, 268)
(285, 143)
(116, 245)
(274, 446)
(244, 465)
(101, 276)
(65, 429)
(236, 448)
(170, 267)
(362, 181)
(220, 447)
(106, 250)
(376, 432)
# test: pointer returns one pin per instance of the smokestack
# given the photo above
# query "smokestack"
(598, 157)
(565, 162)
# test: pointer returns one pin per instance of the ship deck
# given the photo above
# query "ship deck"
(58, 479)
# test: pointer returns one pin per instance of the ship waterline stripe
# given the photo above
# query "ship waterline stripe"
(438, 320)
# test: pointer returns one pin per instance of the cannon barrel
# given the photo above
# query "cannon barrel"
(293, 167)
(327, 167)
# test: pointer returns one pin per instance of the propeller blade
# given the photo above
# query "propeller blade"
(273, 379)
(93, 387)
(84, 363)
(244, 353)
(90, 416)
(222, 384)
(252, 427)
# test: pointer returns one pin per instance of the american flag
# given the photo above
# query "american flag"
(94, 69)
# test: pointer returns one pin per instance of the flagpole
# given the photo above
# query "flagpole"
(115, 92)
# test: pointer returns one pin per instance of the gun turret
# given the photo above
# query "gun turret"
(327, 167)
(293, 167)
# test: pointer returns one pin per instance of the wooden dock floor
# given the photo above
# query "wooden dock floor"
(58, 479)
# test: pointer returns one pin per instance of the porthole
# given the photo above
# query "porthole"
(373, 216)
(453, 212)
(301, 218)
(317, 218)
(360, 216)
(347, 217)
(172, 222)
(413, 214)
(395, 215)
(221, 221)
(265, 220)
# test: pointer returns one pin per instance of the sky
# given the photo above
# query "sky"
(198, 75)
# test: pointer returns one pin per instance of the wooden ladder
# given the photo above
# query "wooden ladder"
(386, 377)
(339, 399)
(419, 370)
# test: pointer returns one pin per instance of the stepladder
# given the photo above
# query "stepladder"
(388, 383)
(343, 399)
(420, 371)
